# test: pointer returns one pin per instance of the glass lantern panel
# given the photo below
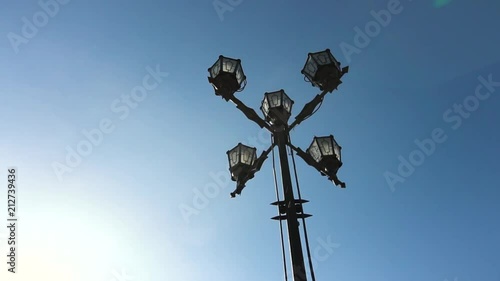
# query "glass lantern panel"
(310, 67)
(239, 74)
(287, 104)
(274, 99)
(323, 58)
(234, 157)
(247, 156)
(214, 71)
(229, 65)
(325, 145)
(337, 152)
(314, 151)
(265, 106)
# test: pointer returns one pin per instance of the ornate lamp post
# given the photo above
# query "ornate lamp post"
(323, 71)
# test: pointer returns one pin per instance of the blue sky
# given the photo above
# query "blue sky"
(117, 210)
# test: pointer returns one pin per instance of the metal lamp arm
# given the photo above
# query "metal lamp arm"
(260, 161)
(250, 113)
(308, 109)
(306, 157)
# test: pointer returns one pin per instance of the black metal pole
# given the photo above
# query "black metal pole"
(298, 266)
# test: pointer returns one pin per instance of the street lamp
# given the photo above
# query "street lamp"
(227, 77)
(277, 107)
(323, 71)
(241, 163)
(327, 154)
(241, 159)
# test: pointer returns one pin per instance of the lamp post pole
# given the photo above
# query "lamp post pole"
(281, 138)
(322, 70)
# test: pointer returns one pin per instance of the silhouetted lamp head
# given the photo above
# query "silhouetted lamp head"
(323, 70)
(277, 107)
(241, 161)
(327, 153)
(227, 77)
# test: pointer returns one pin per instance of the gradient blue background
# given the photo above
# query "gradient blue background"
(120, 208)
